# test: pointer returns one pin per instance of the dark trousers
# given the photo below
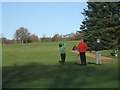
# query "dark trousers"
(83, 58)
(63, 56)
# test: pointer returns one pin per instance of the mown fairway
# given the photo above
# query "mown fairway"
(36, 66)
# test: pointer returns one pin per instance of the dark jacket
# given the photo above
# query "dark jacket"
(98, 47)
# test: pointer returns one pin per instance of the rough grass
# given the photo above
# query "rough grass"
(36, 66)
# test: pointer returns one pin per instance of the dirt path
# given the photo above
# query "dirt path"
(93, 55)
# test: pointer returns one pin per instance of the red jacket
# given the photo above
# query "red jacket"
(82, 47)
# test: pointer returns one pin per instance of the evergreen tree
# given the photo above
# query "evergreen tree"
(101, 21)
(101, 15)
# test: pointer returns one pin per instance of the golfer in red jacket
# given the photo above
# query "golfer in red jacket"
(82, 47)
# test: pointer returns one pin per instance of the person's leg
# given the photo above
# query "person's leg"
(84, 58)
(64, 56)
(81, 57)
(61, 58)
(97, 57)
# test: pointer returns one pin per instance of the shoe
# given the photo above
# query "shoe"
(60, 61)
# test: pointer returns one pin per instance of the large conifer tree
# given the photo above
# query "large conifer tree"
(102, 20)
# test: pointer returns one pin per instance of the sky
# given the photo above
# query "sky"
(41, 18)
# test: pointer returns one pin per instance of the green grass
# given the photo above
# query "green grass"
(36, 66)
(106, 53)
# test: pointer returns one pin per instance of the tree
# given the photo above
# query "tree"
(57, 37)
(101, 21)
(22, 34)
(100, 15)
(4, 40)
(34, 38)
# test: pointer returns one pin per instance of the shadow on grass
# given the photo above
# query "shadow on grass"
(37, 75)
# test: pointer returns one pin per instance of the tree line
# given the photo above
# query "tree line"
(22, 35)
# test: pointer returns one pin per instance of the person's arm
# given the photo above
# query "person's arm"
(64, 46)
(86, 47)
(102, 47)
(95, 47)
(78, 48)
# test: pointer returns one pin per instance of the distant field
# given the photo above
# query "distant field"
(36, 66)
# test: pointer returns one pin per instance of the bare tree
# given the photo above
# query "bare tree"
(22, 34)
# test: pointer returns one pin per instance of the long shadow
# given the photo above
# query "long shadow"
(37, 75)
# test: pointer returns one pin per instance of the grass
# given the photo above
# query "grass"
(36, 66)
(106, 53)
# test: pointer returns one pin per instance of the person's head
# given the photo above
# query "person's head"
(81, 40)
(60, 45)
(98, 40)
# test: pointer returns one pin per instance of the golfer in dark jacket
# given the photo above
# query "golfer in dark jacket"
(98, 48)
